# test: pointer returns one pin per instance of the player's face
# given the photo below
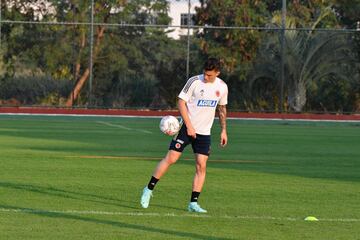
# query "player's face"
(211, 75)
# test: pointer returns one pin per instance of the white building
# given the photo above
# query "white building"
(179, 10)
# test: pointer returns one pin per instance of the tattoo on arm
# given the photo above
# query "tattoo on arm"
(222, 116)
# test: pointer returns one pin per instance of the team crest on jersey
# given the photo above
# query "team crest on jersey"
(217, 93)
(206, 103)
(202, 92)
(177, 145)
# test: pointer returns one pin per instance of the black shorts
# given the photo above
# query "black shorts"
(201, 144)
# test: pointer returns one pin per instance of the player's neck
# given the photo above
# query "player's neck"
(209, 81)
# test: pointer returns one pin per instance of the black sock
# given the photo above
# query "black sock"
(152, 182)
(194, 196)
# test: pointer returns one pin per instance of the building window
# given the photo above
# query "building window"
(184, 19)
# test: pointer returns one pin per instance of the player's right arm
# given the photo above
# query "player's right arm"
(185, 116)
(184, 97)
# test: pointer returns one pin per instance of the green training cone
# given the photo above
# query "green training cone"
(311, 218)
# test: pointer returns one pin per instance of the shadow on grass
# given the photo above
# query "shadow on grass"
(44, 213)
(68, 194)
(80, 196)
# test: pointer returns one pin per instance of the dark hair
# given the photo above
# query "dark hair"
(212, 64)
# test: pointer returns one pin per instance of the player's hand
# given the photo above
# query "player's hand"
(223, 138)
(191, 131)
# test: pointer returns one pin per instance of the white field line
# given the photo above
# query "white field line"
(123, 127)
(153, 214)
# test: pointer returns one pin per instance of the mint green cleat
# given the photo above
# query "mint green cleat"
(195, 207)
(145, 197)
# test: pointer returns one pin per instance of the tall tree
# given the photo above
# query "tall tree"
(63, 50)
(348, 12)
(234, 46)
(137, 11)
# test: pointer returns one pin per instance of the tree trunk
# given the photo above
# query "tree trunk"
(82, 80)
(297, 97)
(75, 92)
(78, 60)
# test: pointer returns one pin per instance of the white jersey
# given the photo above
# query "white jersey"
(201, 99)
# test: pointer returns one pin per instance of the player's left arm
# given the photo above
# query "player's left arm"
(222, 118)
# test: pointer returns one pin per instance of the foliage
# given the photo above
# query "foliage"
(34, 90)
(233, 46)
(63, 51)
(348, 12)
(310, 57)
(138, 66)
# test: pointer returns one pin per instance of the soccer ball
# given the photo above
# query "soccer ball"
(169, 125)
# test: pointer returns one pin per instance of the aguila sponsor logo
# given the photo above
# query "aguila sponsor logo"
(207, 103)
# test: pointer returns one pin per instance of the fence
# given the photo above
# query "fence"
(88, 62)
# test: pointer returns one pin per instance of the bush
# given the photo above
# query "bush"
(34, 90)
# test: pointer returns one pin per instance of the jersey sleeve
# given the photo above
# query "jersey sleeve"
(188, 89)
(224, 98)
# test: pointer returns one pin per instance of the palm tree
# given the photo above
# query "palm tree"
(309, 57)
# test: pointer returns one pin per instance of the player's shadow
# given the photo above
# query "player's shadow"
(80, 196)
(44, 213)
(68, 194)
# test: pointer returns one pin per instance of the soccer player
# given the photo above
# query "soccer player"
(197, 103)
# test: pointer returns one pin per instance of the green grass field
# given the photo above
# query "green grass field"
(81, 178)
